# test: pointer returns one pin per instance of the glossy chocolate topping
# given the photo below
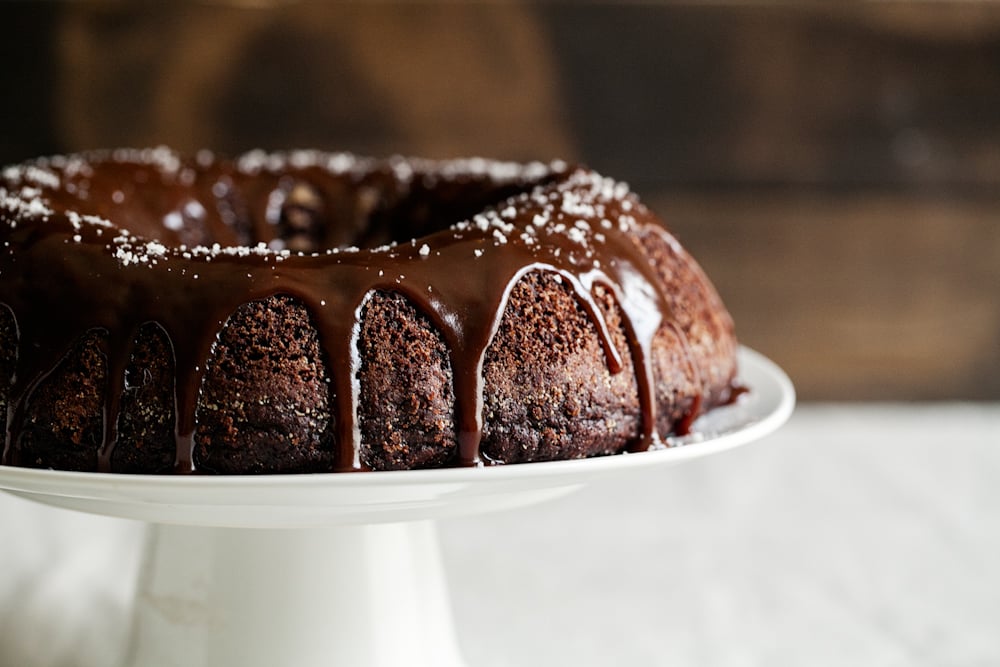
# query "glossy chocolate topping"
(111, 242)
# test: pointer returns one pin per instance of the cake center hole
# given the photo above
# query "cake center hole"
(302, 213)
(301, 218)
(304, 218)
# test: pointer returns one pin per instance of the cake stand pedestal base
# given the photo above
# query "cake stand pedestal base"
(360, 596)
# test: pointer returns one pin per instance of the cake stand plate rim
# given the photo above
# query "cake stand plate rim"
(764, 409)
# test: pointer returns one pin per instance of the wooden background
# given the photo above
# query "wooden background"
(836, 168)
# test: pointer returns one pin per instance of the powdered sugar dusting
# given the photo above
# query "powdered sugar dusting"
(582, 207)
(79, 221)
(498, 172)
(31, 176)
(23, 207)
(165, 160)
(575, 208)
(257, 161)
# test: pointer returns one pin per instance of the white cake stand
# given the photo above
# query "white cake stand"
(325, 570)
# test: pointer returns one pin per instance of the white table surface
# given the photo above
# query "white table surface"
(856, 535)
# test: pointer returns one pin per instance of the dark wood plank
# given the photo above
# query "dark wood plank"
(859, 296)
(835, 166)
(811, 93)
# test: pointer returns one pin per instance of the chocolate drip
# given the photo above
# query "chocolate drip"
(571, 223)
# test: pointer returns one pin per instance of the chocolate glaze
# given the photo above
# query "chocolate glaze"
(147, 237)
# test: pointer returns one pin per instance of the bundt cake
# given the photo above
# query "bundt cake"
(316, 312)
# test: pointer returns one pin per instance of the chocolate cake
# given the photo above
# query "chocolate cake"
(316, 312)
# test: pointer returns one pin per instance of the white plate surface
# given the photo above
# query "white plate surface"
(272, 501)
